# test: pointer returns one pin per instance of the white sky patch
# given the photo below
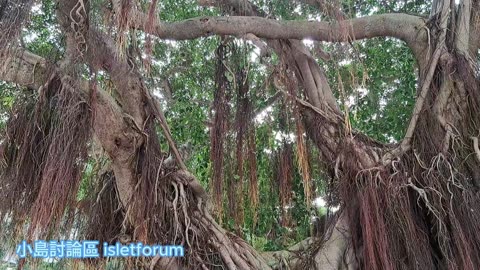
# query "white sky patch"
(37, 9)
(392, 139)
(308, 42)
(362, 91)
(174, 43)
(156, 62)
(320, 202)
(350, 101)
(311, 17)
(335, 208)
(374, 10)
(298, 9)
(383, 103)
(281, 136)
(345, 62)
(3, 118)
(158, 94)
(255, 54)
(261, 117)
(31, 37)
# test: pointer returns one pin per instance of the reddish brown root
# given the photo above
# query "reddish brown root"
(46, 146)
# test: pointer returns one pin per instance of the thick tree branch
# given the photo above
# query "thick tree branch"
(401, 26)
(462, 37)
(474, 42)
(475, 147)
(23, 68)
(127, 119)
(100, 54)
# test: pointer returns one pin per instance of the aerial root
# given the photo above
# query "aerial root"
(475, 147)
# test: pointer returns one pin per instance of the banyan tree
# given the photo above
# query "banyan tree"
(141, 121)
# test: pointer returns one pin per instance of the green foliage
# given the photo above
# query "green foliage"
(379, 101)
(43, 36)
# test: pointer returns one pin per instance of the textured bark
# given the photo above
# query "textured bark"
(23, 68)
(332, 254)
(401, 26)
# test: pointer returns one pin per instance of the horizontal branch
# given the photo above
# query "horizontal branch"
(408, 28)
(401, 26)
(23, 68)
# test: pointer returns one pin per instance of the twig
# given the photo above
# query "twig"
(421, 98)
(157, 110)
(192, 182)
(309, 105)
